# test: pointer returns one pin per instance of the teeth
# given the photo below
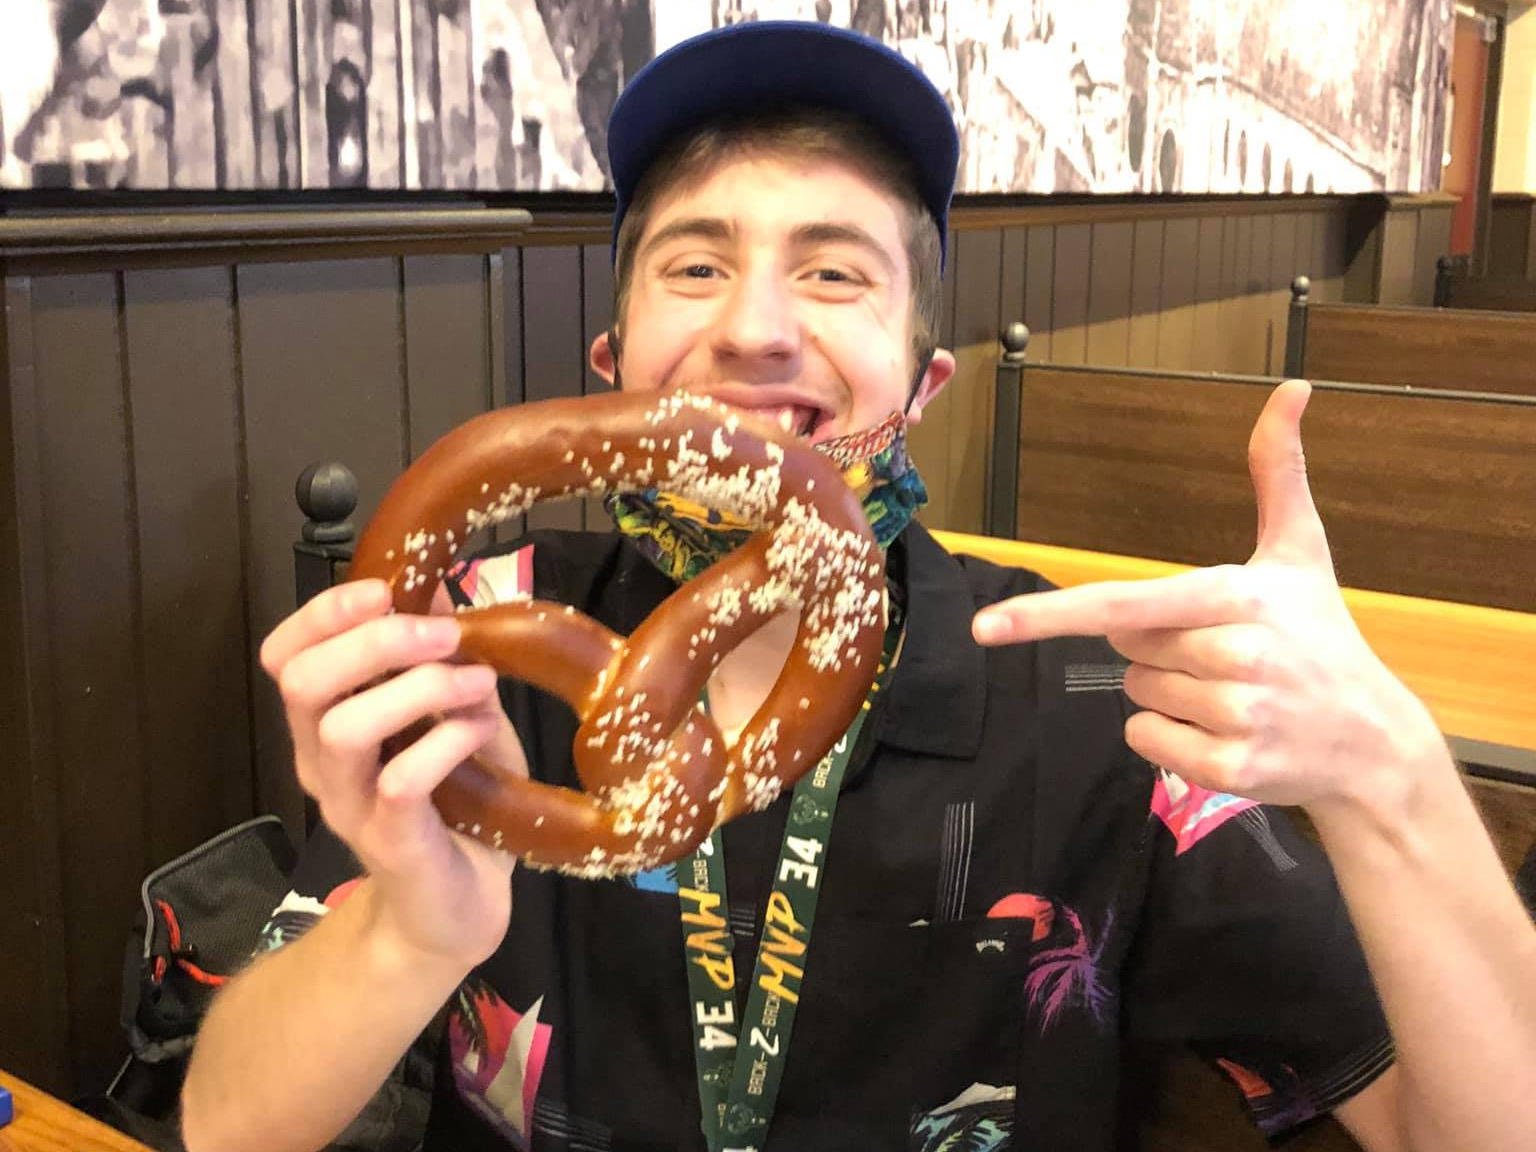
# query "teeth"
(787, 420)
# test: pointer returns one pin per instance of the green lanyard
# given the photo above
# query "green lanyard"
(739, 1086)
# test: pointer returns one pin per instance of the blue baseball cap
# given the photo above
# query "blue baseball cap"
(780, 63)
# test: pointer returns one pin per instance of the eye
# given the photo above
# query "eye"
(836, 278)
(692, 270)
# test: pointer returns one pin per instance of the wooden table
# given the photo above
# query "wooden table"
(43, 1124)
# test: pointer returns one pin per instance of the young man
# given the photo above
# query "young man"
(1006, 887)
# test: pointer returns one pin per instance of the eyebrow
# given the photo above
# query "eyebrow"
(836, 232)
(810, 235)
(688, 228)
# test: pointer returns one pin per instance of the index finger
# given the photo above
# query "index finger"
(1203, 598)
(330, 613)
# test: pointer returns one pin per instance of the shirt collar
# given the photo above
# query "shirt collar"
(937, 700)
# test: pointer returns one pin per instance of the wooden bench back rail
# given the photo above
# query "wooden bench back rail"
(1490, 293)
(1422, 494)
(1457, 287)
(1453, 348)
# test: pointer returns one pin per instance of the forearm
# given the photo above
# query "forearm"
(294, 1048)
(1452, 952)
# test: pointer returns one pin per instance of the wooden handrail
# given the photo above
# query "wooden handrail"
(1474, 667)
(243, 229)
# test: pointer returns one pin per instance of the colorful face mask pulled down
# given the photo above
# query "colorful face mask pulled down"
(683, 538)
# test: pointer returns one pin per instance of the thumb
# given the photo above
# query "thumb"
(1289, 527)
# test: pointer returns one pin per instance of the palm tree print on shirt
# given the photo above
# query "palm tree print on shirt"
(1066, 974)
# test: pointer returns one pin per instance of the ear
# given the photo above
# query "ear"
(940, 369)
(601, 357)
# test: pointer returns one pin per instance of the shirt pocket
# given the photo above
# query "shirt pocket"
(898, 1020)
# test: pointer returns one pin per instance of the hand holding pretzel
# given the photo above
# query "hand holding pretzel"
(1254, 678)
(352, 673)
(656, 773)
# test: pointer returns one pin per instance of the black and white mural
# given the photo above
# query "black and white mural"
(1096, 96)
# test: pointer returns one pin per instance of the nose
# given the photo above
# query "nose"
(758, 322)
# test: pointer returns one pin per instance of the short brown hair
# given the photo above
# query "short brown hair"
(802, 132)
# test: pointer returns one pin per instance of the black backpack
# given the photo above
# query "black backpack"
(201, 917)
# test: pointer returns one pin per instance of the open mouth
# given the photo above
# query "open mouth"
(790, 412)
(800, 420)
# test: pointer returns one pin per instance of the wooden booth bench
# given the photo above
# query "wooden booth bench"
(1459, 348)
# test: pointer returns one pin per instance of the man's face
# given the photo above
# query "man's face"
(781, 287)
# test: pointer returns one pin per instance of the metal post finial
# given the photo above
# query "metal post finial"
(327, 495)
(1015, 339)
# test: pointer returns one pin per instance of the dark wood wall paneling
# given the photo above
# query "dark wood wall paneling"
(127, 616)
(95, 617)
(1179, 290)
(1394, 247)
(1400, 239)
(311, 393)
(553, 358)
(155, 419)
(965, 415)
(597, 317)
(34, 1008)
(159, 404)
(1176, 324)
(1512, 235)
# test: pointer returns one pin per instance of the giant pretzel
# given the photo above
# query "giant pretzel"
(656, 772)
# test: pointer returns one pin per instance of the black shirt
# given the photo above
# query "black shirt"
(1008, 892)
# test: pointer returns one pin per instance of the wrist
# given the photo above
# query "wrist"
(394, 956)
(1390, 805)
